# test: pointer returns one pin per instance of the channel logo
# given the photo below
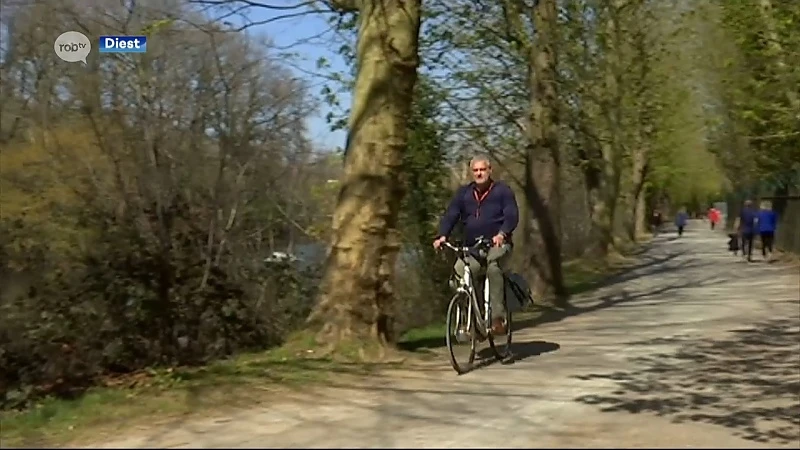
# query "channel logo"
(72, 46)
(123, 44)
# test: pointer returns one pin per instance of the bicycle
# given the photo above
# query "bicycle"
(464, 319)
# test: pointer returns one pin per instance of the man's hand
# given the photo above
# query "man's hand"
(439, 241)
(499, 239)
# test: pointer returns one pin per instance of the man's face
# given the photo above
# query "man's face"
(481, 171)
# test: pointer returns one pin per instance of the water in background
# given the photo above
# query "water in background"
(313, 254)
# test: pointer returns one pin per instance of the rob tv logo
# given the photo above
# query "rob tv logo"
(123, 44)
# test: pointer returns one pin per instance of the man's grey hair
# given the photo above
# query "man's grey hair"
(481, 158)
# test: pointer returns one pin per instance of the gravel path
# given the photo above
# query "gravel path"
(691, 348)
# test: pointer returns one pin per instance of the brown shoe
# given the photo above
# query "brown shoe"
(498, 327)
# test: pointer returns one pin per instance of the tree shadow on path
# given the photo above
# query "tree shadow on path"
(749, 382)
(653, 267)
(645, 264)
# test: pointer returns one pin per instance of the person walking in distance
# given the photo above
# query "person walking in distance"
(747, 228)
(486, 207)
(767, 223)
(714, 217)
(680, 220)
(656, 220)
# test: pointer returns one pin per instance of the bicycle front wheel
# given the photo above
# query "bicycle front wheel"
(460, 338)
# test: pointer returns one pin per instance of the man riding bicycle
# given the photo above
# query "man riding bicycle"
(486, 208)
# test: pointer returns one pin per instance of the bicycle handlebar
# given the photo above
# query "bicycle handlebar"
(480, 242)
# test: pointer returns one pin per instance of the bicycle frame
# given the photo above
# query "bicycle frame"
(468, 288)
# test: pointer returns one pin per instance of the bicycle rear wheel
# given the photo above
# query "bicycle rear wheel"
(458, 333)
(502, 350)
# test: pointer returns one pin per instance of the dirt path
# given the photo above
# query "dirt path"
(692, 348)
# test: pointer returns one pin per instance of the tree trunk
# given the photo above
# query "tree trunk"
(605, 208)
(520, 259)
(356, 289)
(601, 215)
(543, 171)
(639, 178)
(640, 215)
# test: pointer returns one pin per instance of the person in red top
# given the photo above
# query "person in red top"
(714, 216)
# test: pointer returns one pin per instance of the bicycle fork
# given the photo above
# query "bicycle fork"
(487, 306)
(468, 288)
(462, 333)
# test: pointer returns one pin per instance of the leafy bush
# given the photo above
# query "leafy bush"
(128, 304)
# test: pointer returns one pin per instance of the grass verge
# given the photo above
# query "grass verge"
(163, 395)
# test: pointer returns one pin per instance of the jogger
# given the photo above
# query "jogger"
(747, 228)
(767, 223)
(681, 219)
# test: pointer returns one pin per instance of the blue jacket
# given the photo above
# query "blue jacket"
(482, 214)
(747, 220)
(767, 221)
(681, 219)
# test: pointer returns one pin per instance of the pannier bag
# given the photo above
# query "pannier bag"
(518, 293)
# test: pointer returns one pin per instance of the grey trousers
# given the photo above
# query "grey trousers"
(496, 260)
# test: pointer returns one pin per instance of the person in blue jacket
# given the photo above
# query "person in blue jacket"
(680, 220)
(487, 208)
(767, 223)
(747, 228)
